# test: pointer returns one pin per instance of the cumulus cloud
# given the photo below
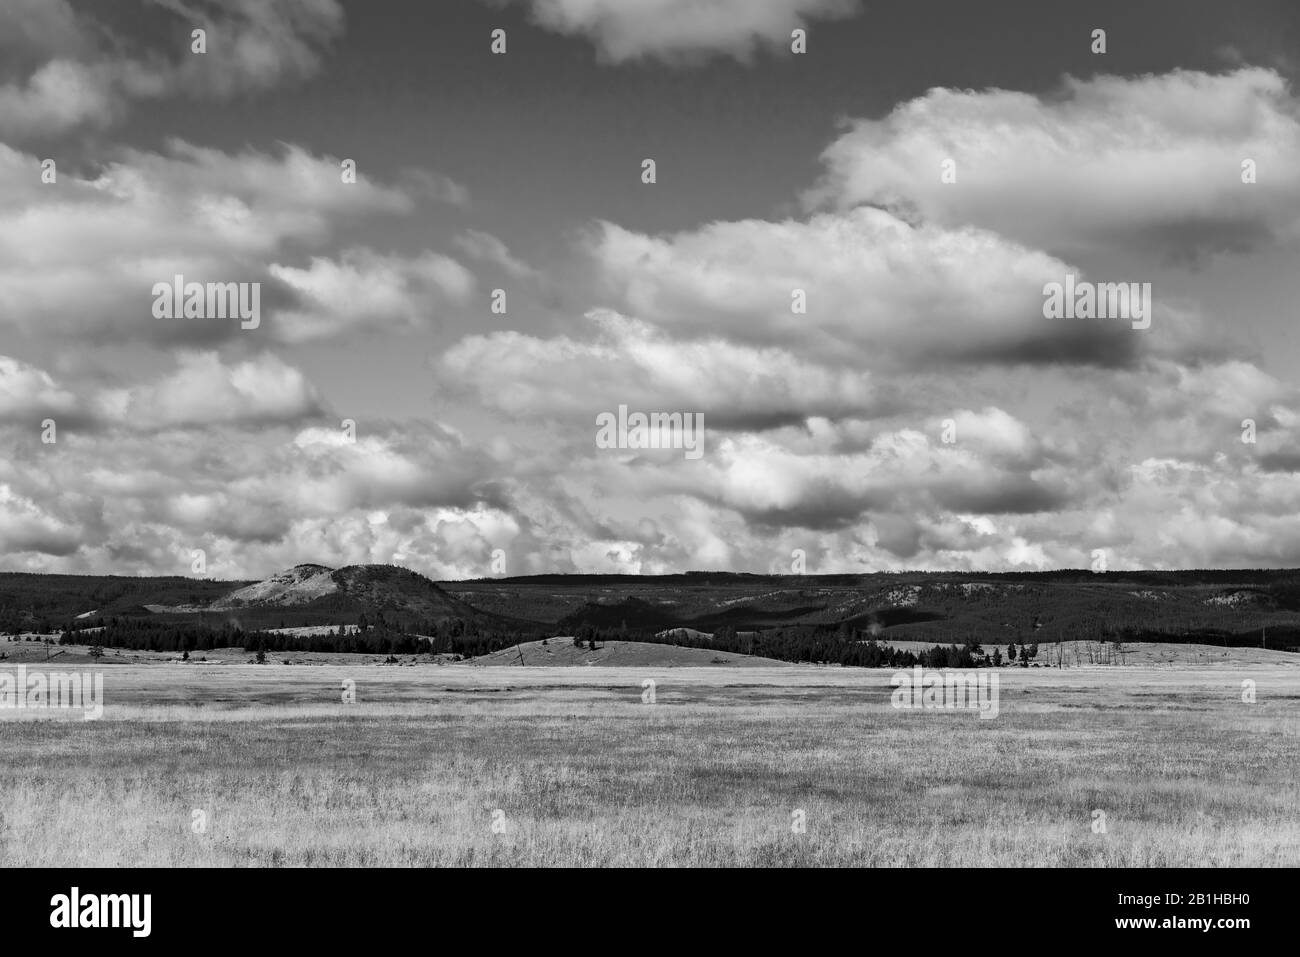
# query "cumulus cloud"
(255, 493)
(824, 424)
(83, 255)
(415, 181)
(856, 494)
(878, 290)
(90, 79)
(1112, 464)
(998, 434)
(28, 394)
(200, 390)
(490, 249)
(362, 289)
(41, 28)
(203, 390)
(58, 96)
(27, 527)
(252, 44)
(908, 502)
(903, 472)
(631, 363)
(1151, 161)
(1205, 414)
(684, 30)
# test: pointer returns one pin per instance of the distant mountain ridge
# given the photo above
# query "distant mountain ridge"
(1259, 607)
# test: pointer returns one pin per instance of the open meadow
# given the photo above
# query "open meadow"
(454, 764)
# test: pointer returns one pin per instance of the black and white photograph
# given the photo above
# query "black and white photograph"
(648, 434)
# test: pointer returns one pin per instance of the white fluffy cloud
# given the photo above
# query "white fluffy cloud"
(362, 289)
(631, 363)
(1155, 474)
(252, 45)
(25, 526)
(203, 390)
(40, 28)
(879, 292)
(490, 249)
(677, 30)
(905, 472)
(255, 492)
(28, 394)
(82, 255)
(1150, 161)
(60, 95)
(823, 427)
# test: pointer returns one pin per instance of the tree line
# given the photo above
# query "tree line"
(808, 644)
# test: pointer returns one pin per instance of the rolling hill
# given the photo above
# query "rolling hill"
(315, 594)
(620, 654)
(1224, 608)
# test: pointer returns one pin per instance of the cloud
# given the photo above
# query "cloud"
(1147, 162)
(29, 394)
(260, 489)
(904, 472)
(40, 28)
(58, 96)
(257, 495)
(26, 527)
(998, 434)
(823, 425)
(1197, 415)
(86, 80)
(428, 184)
(201, 390)
(490, 249)
(879, 292)
(252, 44)
(204, 391)
(629, 362)
(364, 290)
(81, 256)
(684, 30)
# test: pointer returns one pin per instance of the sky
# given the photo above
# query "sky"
(920, 173)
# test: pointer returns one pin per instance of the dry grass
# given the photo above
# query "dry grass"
(586, 774)
(556, 652)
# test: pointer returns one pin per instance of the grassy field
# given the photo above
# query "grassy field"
(462, 765)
